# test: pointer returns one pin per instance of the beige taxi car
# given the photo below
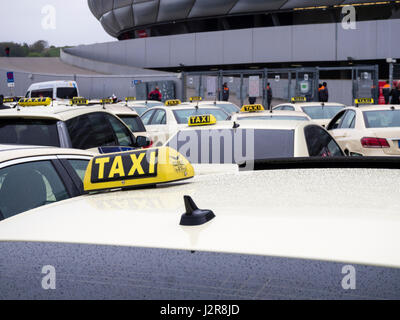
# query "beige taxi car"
(257, 112)
(163, 121)
(319, 112)
(41, 121)
(368, 130)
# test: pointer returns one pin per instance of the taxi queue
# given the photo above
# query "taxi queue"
(36, 134)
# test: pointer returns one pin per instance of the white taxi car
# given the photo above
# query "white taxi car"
(257, 112)
(319, 112)
(163, 121)
(41, 121)
(140, 106)
(372, 130)
(289, 230)
(32, 176)
(207, 141)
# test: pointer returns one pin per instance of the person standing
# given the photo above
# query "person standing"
(320, 88)
(155, 95)
(395, 94)
(324, 92)
(269, 95)
(7, 51)
(225, 92)
(386, 92)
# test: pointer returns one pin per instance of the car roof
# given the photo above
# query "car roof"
(312, 104)
(119, 109)
(10, 152)
(57, 112)
(274, 113)
(254, 215)
(375, 107)
(184, 107)
(256, 124)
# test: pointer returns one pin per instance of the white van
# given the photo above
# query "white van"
(57, 90)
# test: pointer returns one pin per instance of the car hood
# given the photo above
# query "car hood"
(346, 215)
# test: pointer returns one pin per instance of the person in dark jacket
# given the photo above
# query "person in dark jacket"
(225, 92)
(2, 106)
(395, 94)
(324, 93)
(319, 92)
(269, 95)
(155, 94)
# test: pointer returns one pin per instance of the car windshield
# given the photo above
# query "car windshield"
(29, 131)
(322, 112)
(382, 118)
(271, 117)
(229, 108)
(67, 93)
(182, 116)
(133, 122)
(139, 109)
(233, 145)
(152, 104)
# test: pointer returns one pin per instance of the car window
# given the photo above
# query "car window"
(348, 120)
(382, 118)
(29, 131)
(233, 145)
(159, 117)
(90, 131)
(182, 116)
(124, 137)
(79, 166)
(320, 143)
(133, 122)
(290, 108)
(147, 116)
(67, 93)
(29, 185)
(139, 110)
(44, 93)
(321, 112)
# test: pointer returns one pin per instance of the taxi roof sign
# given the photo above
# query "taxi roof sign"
(130, 99)
(364, 101)
(252, 108)
(191, 99)
(136, 168)
(79, 101)
(202, 120)
(34, 102)
(173, 102)
(106, 101)
(298, 99)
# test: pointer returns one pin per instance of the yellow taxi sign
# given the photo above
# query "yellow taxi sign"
(252, 108)
(364, 101)
(136, 168)
(33, 102)
(191, 99)
(299, 99)
(8, 100)
(106, 101)
(202, 120)
(130, 99)
(173, 102)
(79, 101)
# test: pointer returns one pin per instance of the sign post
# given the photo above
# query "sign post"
(10, 81)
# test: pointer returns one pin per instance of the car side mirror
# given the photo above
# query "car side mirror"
(143, 142)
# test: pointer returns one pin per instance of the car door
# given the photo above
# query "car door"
(157, 126)
(32, 182)
(343, 130)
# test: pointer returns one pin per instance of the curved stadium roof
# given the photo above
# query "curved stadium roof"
(116, 16)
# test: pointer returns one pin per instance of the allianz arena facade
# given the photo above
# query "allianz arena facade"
(128, 19)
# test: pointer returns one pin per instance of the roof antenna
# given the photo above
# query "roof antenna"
(235, 125)
(193, 215)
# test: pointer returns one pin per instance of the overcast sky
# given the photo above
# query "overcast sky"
(23, 21)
